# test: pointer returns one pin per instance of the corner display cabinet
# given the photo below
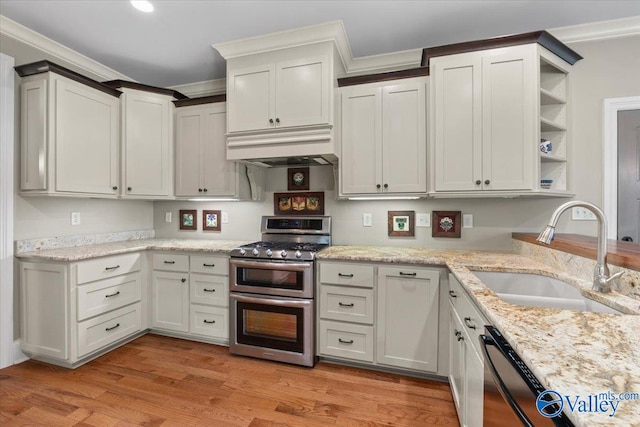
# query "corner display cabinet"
(490, 108)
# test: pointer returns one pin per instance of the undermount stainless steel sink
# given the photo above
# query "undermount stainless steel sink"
(533, 290)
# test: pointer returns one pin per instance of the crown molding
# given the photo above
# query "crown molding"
(394, 61)
(602, 30)
(10, 28)
(205, 88)
(333, 31)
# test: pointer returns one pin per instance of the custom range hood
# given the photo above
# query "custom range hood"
(280, 95)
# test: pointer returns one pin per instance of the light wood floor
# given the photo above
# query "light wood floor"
(157, 381)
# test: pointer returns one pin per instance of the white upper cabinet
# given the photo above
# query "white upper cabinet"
(253, 92)
(202, 169)
(70, 138)
(488, 115)
(384, 142)
(147, 140)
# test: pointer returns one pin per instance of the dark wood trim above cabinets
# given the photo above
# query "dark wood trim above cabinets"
(147, 88)
(40, 67)
(543, 38)
(201, 100)
(382, 77)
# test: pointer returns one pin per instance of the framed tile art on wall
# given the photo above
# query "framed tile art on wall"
(211, 220)
(401, 223)
(188, 219)
(446, 224)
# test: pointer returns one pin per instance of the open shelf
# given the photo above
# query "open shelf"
(547, 125)
(552, 158)
(548, 98)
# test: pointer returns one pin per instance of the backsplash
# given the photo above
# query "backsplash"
(628, 284)
(30, 245)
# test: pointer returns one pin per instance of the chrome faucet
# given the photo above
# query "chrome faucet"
(601, 276)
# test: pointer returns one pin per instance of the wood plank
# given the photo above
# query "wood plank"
(622, 254)
(157, 380)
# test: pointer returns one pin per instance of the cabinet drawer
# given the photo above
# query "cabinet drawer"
(99, 332)
(103, 268)
(346, 340)
(171, 262)
(335, 273)
(346, 304)
(106, 295)
(210, 290)
(210, 321)
(472, 319)
(210, 265)
(456, 292)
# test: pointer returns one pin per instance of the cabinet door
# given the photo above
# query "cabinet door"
(33, 134)
(508, 112)
(219, 176)
(251, 98)
(170, 301)
(86, 139)
(147, 145)
(456, 362)
(404, 138)
(189, 138)
(457, 104)
(361, 151)
(474, 387)
(407, 320)
(302, 92)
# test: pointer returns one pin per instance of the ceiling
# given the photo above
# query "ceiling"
(172, 45)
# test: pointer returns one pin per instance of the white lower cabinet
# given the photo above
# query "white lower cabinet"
(72, 312)
(466, 366)
(379, 314)
(190, 296)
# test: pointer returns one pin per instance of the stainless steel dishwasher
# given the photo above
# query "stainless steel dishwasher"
(510, 388)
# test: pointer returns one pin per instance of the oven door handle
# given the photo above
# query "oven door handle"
(502, 388)
(267, 300)
(271, 265)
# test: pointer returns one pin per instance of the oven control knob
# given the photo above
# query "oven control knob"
(283, 254)
(269, 252)
(298, 254)
(255, 252)
(242, 252)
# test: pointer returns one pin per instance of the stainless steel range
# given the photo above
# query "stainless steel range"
(272, 307)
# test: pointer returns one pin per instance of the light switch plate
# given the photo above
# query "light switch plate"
(467, 221)
(582, 214)
(167, 217)
(225, 217)
(75, 218)
(367, 220)
(423, 220)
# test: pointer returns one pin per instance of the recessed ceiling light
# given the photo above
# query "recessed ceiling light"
(142, 5)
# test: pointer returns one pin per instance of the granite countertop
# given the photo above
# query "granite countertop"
(575, 353)
(79, 253)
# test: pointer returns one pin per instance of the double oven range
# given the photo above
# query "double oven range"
(272, 287)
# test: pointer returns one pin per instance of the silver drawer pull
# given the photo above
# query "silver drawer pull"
(209, 290)
(112, 295)
(467, 321)
(208, 265)
(112, 328)
(340, 340)
(169, 262)
(345, 275)
(209, 321)
(342, 304)
(453, 294)
(407, 274)
(111, 268)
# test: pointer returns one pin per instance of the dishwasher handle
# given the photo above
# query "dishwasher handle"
(502, 388)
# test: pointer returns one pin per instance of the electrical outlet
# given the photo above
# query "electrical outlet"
(225, 217)
(582, 214)
(367, 220)
(467, 221)
(167, 217)
(75, 218)
(423, 220)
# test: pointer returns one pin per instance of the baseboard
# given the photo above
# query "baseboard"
(18, 355)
